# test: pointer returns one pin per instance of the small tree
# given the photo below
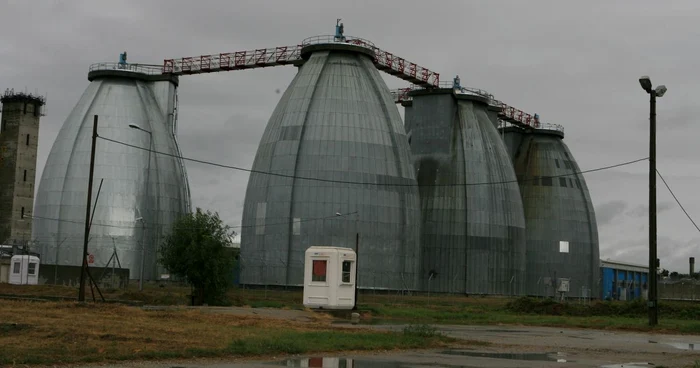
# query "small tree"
(196, 250)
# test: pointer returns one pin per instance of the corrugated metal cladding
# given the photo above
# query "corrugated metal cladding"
(336, 121)
(562, 233)
(61, 199)
(473, 236)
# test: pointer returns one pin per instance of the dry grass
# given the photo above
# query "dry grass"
(68, 332)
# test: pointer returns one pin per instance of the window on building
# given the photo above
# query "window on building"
(22, 215)
(25, 175)
(296, 226)
(31, 270)
(547, 181)
(347, 266)
(27, 139)
(562, 182)
(319, 271)
(15, 268)
(563, 247)
(557, 163)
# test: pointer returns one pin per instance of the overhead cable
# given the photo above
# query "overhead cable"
(369, 183)
(677, 201)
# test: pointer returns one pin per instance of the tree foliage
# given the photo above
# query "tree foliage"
(197, 250)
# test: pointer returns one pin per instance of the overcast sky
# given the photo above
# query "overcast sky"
(575, 64)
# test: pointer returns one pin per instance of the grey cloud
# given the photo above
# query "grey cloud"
(673, 253)
(643, 210)
(607, 212)
(571, 73)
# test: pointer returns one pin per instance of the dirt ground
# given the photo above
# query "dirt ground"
(505, 346)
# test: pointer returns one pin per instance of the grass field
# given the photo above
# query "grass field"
(69, 332)
(675, 317)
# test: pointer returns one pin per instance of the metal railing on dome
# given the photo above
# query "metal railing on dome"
(321, 39)
(401, 94)
(138, 68)
(536, 126)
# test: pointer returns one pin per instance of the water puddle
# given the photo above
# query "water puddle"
(507, 331)
(338, 362)
(678, 345)
(373, 321)
(326, 362)
(682, 345)
(541, 357)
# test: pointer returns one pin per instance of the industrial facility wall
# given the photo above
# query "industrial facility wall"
(336, 123)
(19, 131)
(122, 172)
(473, 229)
(623, 284)
(562, 233)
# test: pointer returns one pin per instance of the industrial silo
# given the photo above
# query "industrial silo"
(473, 229)
(562, 233)
(136, 107)
(333, 164)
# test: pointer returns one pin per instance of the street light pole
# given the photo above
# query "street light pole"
(145, 202)
(659, 91)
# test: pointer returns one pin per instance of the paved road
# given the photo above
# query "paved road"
(509, 347)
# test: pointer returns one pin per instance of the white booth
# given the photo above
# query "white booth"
(329, 277)
(24, 270)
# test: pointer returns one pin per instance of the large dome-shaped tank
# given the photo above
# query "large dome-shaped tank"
(120, 96)
(335, 126)
(473, 229)
(562, 233)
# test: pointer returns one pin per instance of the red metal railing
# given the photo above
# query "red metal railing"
(387, 62)
(285, 55)
(258, 58)
(508, 113)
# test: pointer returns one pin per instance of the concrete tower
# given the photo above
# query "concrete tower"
(19, 137)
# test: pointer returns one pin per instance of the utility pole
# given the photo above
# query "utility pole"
(652, 303)
(653, 300)
(83, 271)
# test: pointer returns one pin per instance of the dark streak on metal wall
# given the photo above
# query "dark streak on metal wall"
(473, 236)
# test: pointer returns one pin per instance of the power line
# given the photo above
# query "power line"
(677, 201)
(368, 183)
(195, 228)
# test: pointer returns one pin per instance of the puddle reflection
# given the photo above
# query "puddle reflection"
(542, 357)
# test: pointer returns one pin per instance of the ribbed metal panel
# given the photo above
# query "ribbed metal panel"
(556, 209)
(473, 236)
(60, 204)
(335, 121)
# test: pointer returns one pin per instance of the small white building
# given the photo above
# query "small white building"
(329, 277)
(24, 270)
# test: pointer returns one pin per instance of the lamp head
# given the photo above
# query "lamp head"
(338, 214)
(660, 90)
(134, 126)
(645, 82)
